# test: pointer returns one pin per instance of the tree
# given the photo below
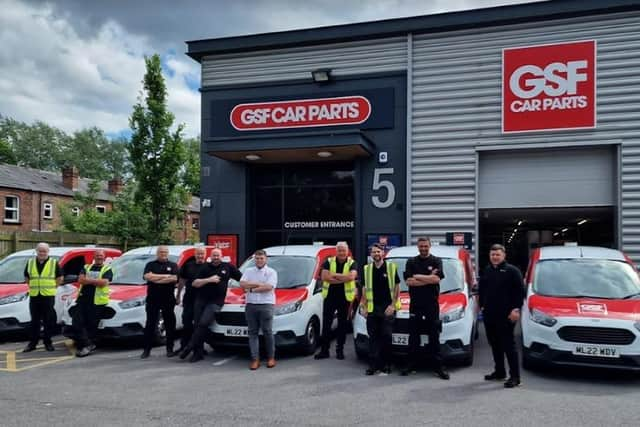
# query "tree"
(157, 154)
(89, 220)
(191, 177)
(37, 146)
(86, 150)
(6, 152)
(116, 158)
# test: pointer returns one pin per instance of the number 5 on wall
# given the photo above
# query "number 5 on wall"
(380, 184)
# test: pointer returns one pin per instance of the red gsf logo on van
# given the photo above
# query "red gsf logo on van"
(549, 87)
(348, 110)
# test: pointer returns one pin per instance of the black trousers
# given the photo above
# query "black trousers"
(42, 313)
(156, 304)
(204, 314)
(84, 322)
(379, 328)
(188, 306)
(502, 342)
(334, 304)
(424, 322)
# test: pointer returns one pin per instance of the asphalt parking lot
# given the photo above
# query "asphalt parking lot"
(113, 387)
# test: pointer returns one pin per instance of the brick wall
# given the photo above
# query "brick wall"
(31, 210)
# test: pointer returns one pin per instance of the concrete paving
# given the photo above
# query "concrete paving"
(113, 387)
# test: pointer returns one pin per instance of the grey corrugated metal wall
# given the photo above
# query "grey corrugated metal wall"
(457, 111)
(343, 59)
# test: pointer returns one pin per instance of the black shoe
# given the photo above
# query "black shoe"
(387, 370)
(30, 347)
(339, 354)
(512, 383)
(196, 357)
(321, 355)
(494, 376)
(442, 374)
(370, 371)
(185, 352)
(49, 347)
(171, 353)
(407, 371)
(145, 354)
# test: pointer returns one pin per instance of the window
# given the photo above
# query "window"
(195, 223)
(11, 209)
(47, 210)
(101, 209)
(75, 211)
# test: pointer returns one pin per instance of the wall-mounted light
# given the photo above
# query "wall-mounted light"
(321, 75)
(324, 154)
(252, 157)
(205, 203)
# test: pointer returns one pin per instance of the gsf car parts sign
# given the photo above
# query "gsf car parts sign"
(549, 87)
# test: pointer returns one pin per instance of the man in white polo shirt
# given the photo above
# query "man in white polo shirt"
(259, 283)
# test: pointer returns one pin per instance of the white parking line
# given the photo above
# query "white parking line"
(223, 361)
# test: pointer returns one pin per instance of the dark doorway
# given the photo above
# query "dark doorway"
(521, 230)
(303, 204)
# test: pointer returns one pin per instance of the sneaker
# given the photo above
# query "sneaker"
(382, 374)
(407, 372)
(370, 371)
(442, 374)
(387, 370)
(340, 354)
(49, 347)
(494, 376)
(196, 358)
(83, 352)
(512, 383)
(145, 354)
(321, 355)
(92, 348)
(185, 352)
(171, 353)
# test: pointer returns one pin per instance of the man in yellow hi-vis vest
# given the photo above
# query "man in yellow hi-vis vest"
(92, 300)
(379, 304)
(338, 291)
(44, 275)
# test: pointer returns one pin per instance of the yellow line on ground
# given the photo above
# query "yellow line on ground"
(35, 359)
(49, 362)
(11, 361)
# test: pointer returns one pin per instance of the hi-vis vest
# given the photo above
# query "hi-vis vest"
(43, 283)
(101, 297)
(349, 287)
(368, 284)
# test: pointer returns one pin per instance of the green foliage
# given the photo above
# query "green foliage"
(6, 152)
(157, 154)
(191, 177)
(89, 220)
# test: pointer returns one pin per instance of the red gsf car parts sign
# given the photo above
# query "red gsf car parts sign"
(549, 87)
(340, 111)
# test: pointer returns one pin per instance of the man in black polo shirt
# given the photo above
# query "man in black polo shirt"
(161, 276)
(212, 285)
(422, 275)
(189, 272)
(379, 304)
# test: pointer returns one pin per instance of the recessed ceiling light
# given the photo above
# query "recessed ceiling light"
(564, 230)
(325, 154)
(582, 221)
(252, 157)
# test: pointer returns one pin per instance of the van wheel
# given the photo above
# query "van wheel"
(311, 336)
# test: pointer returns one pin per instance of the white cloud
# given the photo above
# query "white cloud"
(49, 73)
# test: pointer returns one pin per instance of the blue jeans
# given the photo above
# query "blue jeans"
(260, 316)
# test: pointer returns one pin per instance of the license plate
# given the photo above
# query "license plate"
(236, 332)
(400, 339)
(403, 339)
(596, 351)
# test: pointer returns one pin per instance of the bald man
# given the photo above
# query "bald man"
(44, 275)
(190, 271)
(161, 276)
(211, 286)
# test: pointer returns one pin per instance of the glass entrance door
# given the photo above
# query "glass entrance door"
(301, 204)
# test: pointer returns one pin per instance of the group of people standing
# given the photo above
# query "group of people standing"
(202, 288)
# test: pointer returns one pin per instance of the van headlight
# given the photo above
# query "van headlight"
(132, 303)
(452, 315)
(542, 318)
(288, 308)
(13, 298)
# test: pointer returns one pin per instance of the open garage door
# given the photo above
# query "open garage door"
(529, 199)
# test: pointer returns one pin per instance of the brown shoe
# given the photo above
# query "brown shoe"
(271, 363)
(255, 364)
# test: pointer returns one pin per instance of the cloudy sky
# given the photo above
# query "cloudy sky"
(79, 63)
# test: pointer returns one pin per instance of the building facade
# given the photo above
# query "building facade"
(516, 125)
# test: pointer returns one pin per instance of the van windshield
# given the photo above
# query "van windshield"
(453, 274)
(12, 269)
(293, 271)
(595, 278)
(129, 269)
